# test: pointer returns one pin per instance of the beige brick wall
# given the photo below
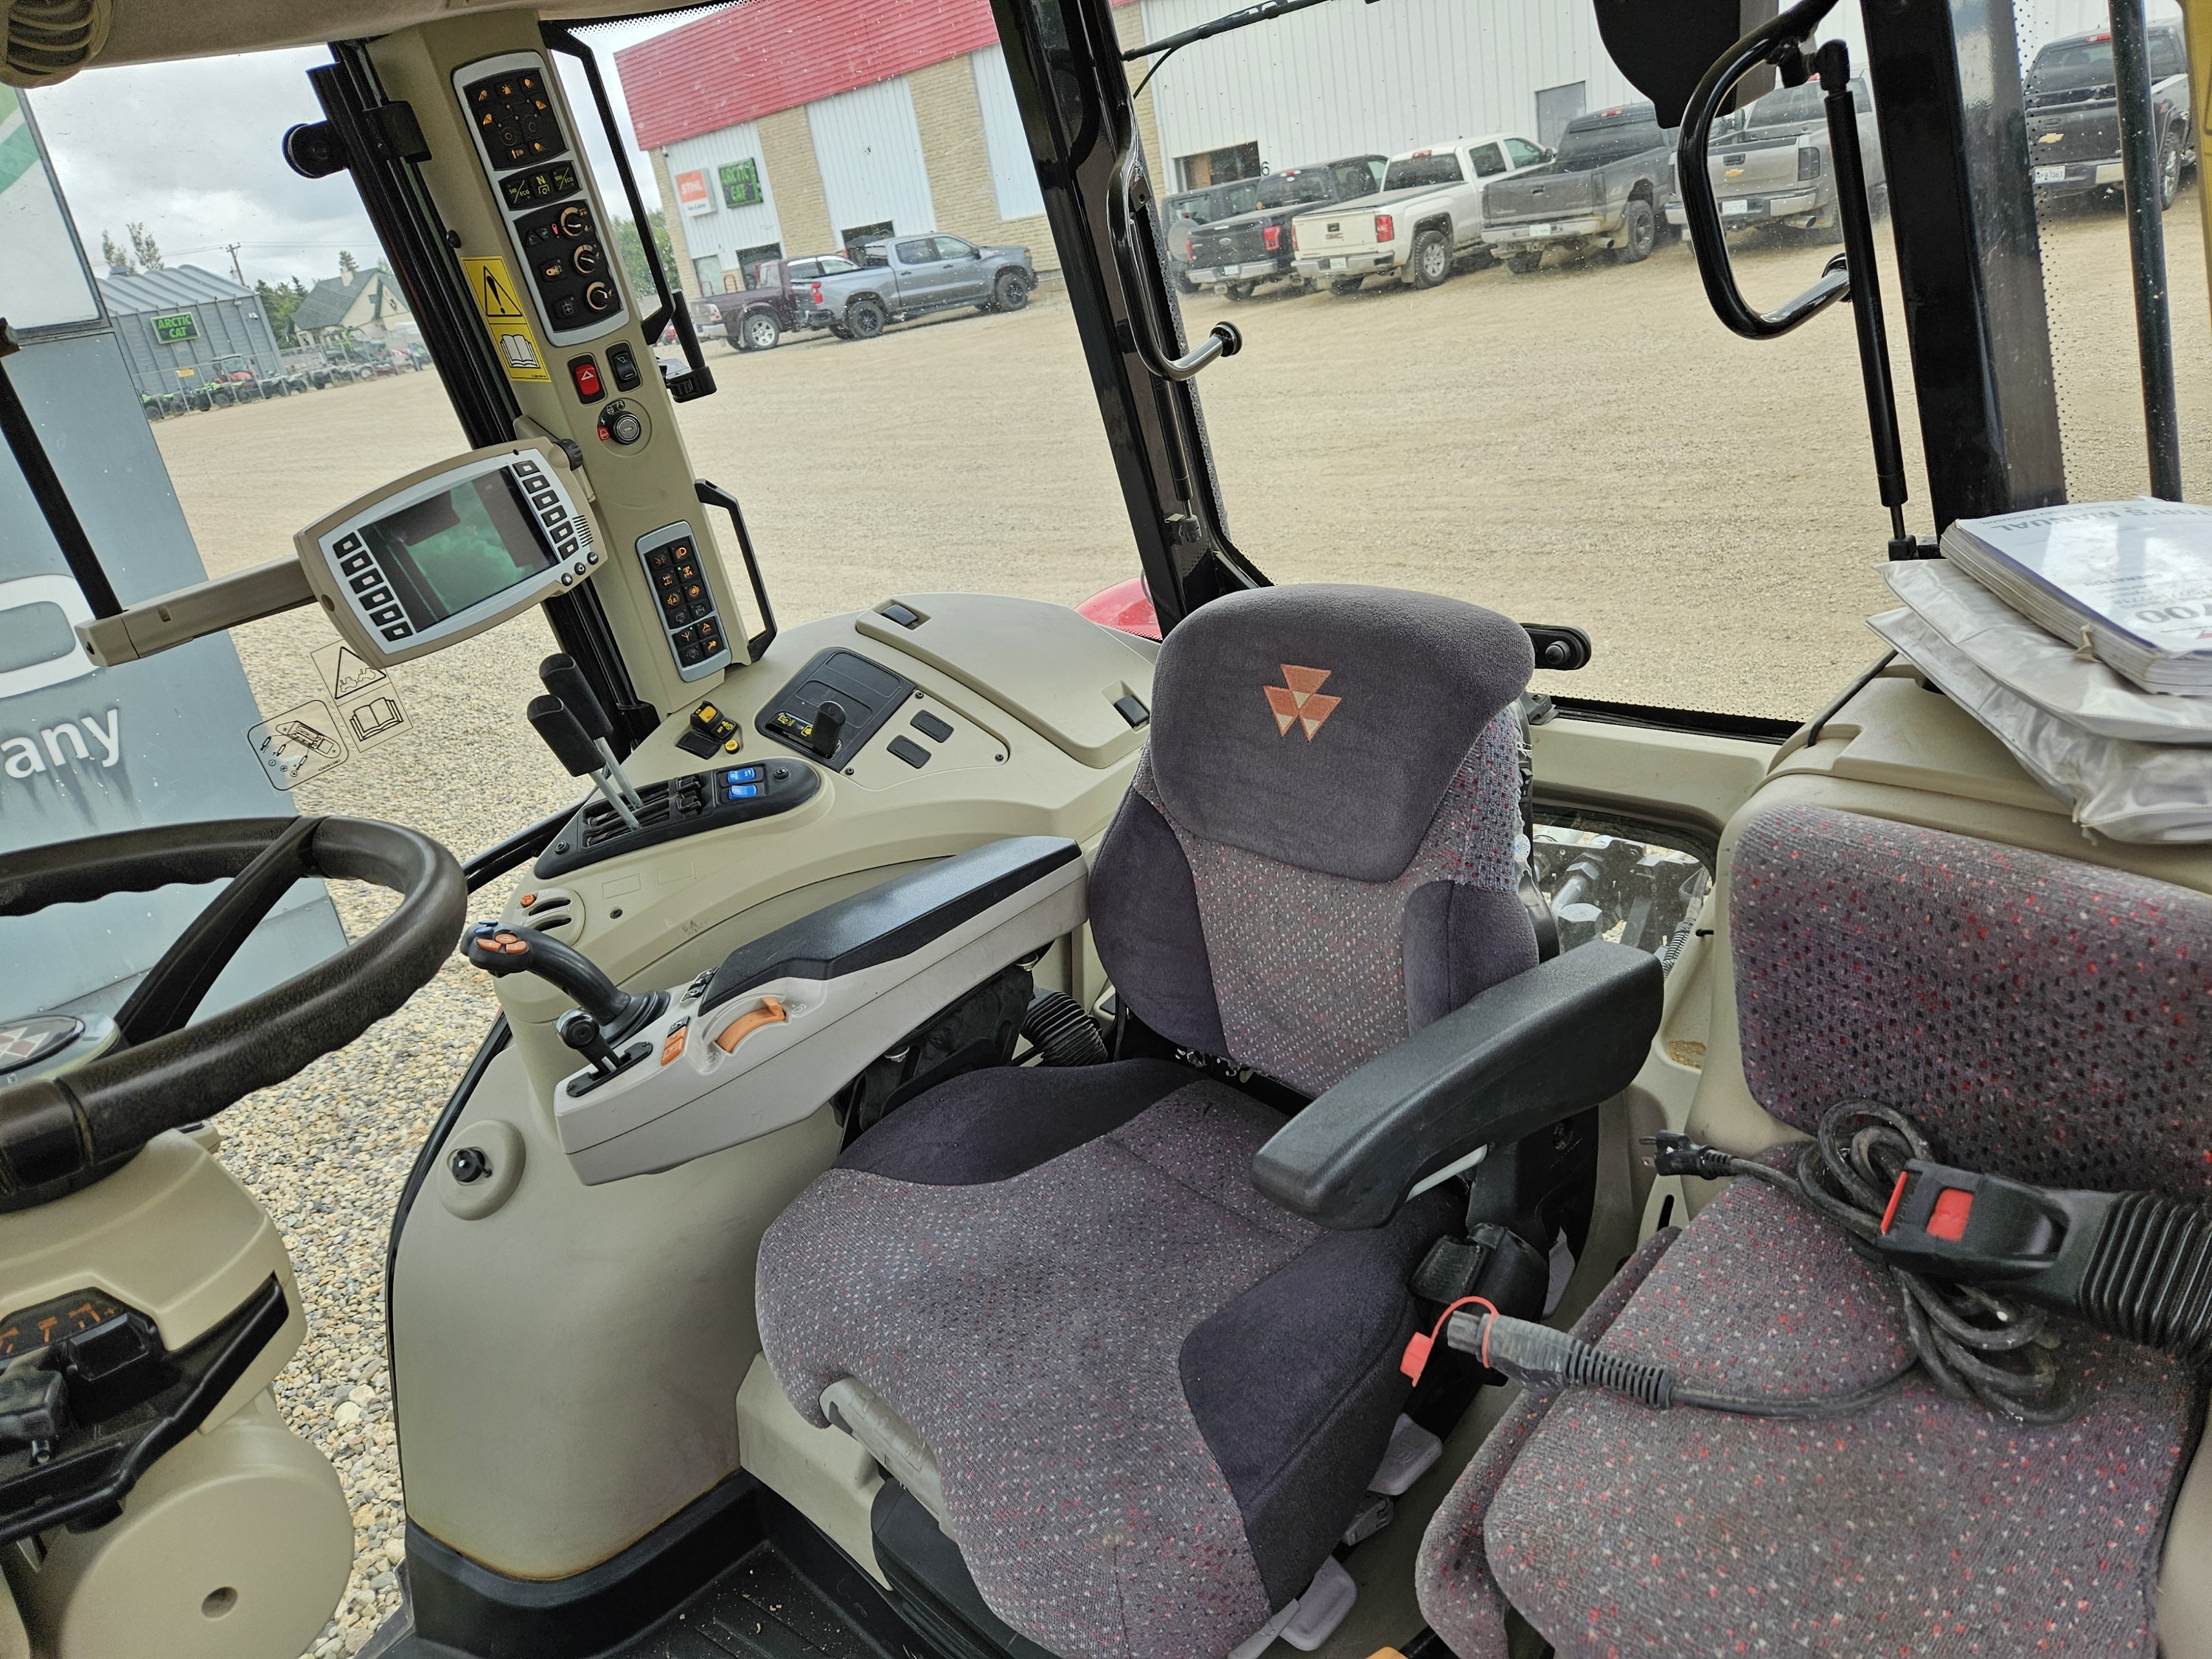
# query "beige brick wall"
(794, 180)
(951, 121)
(683, 277)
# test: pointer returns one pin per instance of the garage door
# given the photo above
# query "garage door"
(870, 153)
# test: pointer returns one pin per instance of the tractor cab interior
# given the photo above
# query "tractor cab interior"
(1279, 1110)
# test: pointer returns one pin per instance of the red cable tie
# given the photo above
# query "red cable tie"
(1418, 1348)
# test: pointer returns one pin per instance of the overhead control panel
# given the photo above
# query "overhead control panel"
(450, 551)
(537, 176)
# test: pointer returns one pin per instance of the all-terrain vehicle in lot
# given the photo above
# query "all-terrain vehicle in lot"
(1426, 219)
(910, 277)
(1775, 165)
(1604, 189)
(2074, 116)
(1239, 253)
(1007, 1138)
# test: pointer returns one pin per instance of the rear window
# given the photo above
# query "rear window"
(1197, 207)
(1242, 197)
(1357, 178)
(1417, 171)
(877, 255)
(1789, 108)
(2071, 64)
(1605, 140)
(1293, 189)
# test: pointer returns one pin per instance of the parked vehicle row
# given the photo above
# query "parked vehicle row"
(1238, 252)
(234, 378)
(893, 280)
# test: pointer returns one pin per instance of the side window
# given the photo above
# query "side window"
(1487, 160)
(1522, 154)
(920, 252)
(952, 247)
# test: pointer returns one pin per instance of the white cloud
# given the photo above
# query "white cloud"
(190, 149)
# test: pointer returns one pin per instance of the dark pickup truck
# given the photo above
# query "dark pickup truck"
(1605, 189)
(2074, 120)
(1239, 253)
(786, 297)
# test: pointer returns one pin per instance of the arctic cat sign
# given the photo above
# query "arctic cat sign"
(176, 330)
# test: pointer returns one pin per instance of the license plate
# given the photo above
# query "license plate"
(1329, 264)
(1735, 207)
(1540, 230)
(1232, 270)
(2049, 176)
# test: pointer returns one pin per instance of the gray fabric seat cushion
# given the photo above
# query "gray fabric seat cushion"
(1155, 1399)
(1919, 1524)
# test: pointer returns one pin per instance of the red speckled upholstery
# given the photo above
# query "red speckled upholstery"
(2042, 1018)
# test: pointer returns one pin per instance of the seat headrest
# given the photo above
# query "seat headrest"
(1320, 724)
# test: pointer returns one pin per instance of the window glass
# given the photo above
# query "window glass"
(952, 247)
(1413, 172)
(921, 251)
(1486, 159)
(2166, 58)
(1790, 106)
(1356, 179)
(1292, 188)
(1568, 435)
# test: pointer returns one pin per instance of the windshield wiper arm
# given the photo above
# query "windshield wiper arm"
(1168, 44)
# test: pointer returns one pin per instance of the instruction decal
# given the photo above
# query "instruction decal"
(368, 708)
(344, 671)
(500, 300)
(298, 744)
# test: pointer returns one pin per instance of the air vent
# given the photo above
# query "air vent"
(49, 41)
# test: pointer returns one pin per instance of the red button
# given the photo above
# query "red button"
(1949, 1219)
(586, 373)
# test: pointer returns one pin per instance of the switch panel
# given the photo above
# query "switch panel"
(678, 579)
(515, 116)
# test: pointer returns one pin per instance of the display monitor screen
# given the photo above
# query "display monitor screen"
(459, 547)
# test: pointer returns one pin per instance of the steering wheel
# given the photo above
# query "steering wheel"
(159, 1072)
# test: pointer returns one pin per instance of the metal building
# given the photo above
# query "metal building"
(801, 126)
(176, 325)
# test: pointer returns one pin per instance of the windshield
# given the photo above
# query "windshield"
(1602, 143)
(1416, 172)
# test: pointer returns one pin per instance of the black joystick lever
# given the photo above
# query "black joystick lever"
(829, 728)
(605, 1013)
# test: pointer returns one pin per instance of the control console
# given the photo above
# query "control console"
(679, 807)
(537, 176)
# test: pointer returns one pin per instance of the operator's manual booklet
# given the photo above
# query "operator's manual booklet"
(2130, 581)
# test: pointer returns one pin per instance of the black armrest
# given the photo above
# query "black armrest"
(891, 921)
(1538, 1048)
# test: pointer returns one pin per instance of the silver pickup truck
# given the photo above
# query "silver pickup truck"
(912, 276)
(1771, 163)
(1604, 189)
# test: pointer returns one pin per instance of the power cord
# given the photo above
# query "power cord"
(1972, 1343)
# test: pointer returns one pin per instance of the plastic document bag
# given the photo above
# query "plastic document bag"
(2155, 793)
(2030, 663)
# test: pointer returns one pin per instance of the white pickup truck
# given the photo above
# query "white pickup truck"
(1428, 216)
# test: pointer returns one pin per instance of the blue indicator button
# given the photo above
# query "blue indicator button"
(744, 791)
(743, 774)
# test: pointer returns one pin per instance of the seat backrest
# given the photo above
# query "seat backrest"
(2042, 1018)
(1317, 856)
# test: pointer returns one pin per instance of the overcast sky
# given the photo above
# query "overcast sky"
(197, 162)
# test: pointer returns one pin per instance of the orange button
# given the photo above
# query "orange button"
(770, 1012)
(673, 1045)
(527, 900)
(1949, 1219)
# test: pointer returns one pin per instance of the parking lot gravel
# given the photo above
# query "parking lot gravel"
(1584, 445)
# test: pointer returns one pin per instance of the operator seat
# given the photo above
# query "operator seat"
(1152, 1399)
(2043, 1019)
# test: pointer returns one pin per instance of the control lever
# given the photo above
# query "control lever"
(571, 744)
(33, 1405)
(829, 728)
(564, 680)
(605, 1013)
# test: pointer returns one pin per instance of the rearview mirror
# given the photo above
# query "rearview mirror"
(1665, 46)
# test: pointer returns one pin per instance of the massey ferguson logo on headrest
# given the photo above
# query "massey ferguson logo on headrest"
(1299, 700)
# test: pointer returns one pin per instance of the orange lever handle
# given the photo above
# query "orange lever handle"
(770, 1012)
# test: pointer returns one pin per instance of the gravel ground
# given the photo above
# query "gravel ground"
(1535, 443)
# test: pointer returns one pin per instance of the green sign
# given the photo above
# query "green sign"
(741, 184)
(176, 330)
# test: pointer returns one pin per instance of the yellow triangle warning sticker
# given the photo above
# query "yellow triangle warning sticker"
(499, 302)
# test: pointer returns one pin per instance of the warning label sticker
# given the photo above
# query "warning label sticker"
(500, 300)
(344, 671)
(298, 744)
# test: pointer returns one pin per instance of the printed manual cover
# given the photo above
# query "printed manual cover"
(2131, 581)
